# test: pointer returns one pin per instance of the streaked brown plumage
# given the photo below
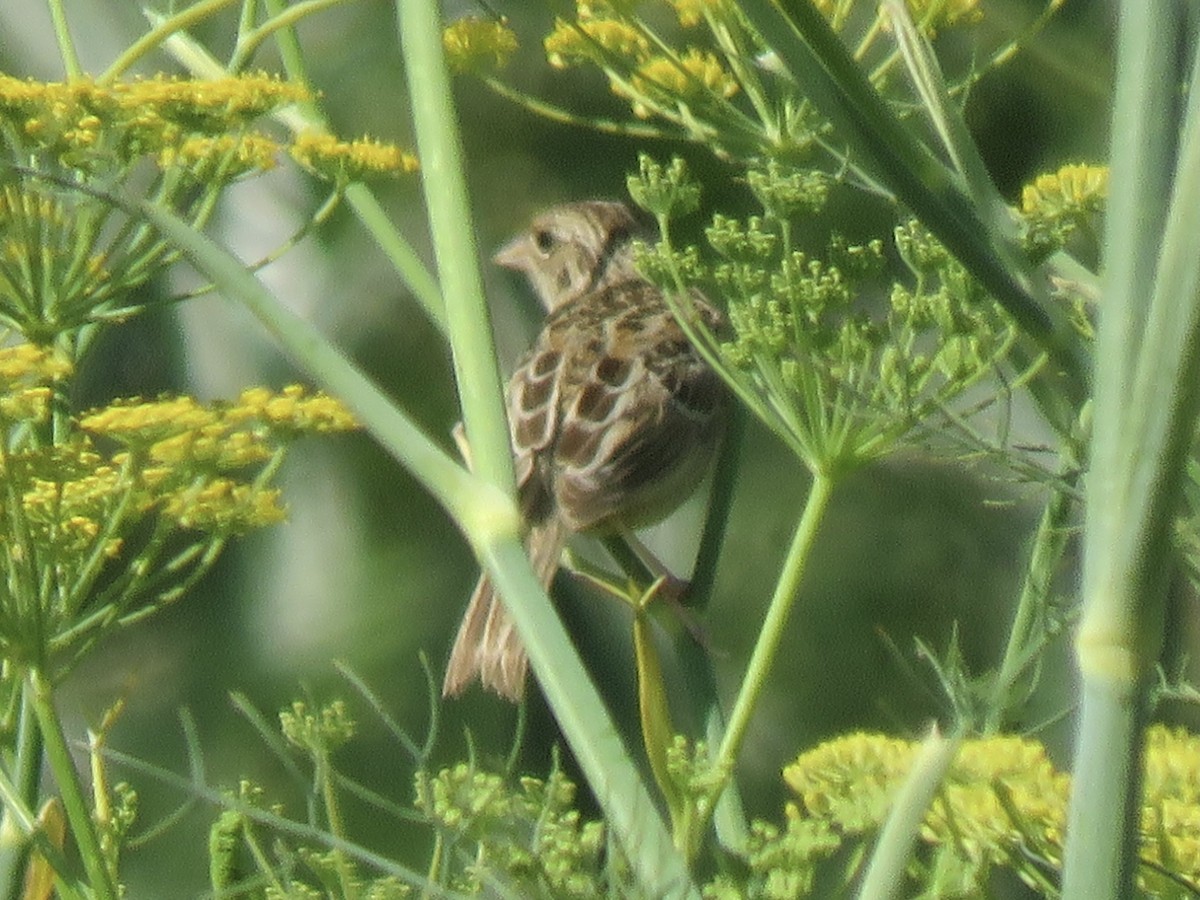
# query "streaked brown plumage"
(613, 414)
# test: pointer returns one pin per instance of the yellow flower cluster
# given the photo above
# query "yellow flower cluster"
(1072, 189)
(118, 511)
(75, 119)
(929, 15)
(228, 155)
(66, 496)
(478, 45)
(201, 125)
(622, 47)
(293, 409)
(690, 13)
(1001, 797)
(224, 505)
(592, 40)
(26, 374)
(691, 76)
(180, 445)
(346, 161)
(1171, 802)
(179, 431)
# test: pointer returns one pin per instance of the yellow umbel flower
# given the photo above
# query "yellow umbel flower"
(1001, 800)
(478, 45)
(135, 422)
(73, 119)
(224, 505)
(346, 161)
(227, 155)
(180, 432)
(26, 375)
(695, 75)
(26, 364)
(67, 259)
(292, 409)
(690, 13)
(593, 40)
(1072, 189)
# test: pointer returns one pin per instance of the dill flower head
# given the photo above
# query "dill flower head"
(1001, 803)
(1072, 189)
(690, 13)
(345, 161)
(1065, 207)
(595, 40)
(694, 76)
(137, 497)
(89, 127)
(478, 46)
(70, 258)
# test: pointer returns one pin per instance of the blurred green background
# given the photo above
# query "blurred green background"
(369, 571)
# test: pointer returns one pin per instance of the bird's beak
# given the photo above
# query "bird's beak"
(514, 255)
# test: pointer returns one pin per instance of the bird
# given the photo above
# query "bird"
(614, 416)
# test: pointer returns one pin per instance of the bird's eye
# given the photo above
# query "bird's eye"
(543, 240)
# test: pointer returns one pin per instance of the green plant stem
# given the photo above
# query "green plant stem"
(1146, 404)
(74, 798)
(309, 117)
(720, 502)
(282, 17)
(775, 623)
(333, 814)
(66, 46)
(27, 766)
(602, 755)
(886, 875)
(400, 253)
(439, 146)
(1049, 543)
(157, 35)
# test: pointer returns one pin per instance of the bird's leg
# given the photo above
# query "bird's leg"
(640, 562)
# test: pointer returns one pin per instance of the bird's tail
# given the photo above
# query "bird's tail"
(487, 644)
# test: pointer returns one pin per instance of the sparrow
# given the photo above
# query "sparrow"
(614, 416)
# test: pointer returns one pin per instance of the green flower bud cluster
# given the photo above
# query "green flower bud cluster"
(837, 358)
(527, 837)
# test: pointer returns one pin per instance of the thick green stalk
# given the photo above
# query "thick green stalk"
(444, 181)
(775, 623)
(74, 798)
(400, 253)
(362, 200)
(1147, 397)
(597, 745)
